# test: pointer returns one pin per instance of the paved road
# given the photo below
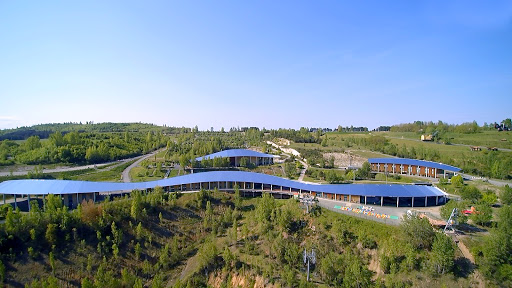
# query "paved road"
(126, 173)
(499, 183)
(62, 169)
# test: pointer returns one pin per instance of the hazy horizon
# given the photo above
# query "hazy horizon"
(264, 64)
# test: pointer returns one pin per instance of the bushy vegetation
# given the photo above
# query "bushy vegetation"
(299, 136)
(80, 148)
(160, 239)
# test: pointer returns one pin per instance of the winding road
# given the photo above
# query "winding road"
(126, 173)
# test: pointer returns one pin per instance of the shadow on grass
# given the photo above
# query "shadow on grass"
(463, 267)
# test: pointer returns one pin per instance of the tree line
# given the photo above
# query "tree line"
(80, 148)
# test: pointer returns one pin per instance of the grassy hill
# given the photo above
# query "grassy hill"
(219, 240)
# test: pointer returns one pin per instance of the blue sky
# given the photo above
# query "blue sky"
(255, 63)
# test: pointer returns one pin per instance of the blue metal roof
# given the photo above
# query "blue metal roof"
(42, 187)
(236, 153)
(407, 161)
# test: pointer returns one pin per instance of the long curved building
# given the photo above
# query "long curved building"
(235, 156)
(414, 167)
(74, 192)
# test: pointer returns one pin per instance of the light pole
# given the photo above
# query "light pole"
(309, 258)
(308, 201)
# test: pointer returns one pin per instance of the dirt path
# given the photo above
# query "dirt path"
(478, 277)
(294, 153)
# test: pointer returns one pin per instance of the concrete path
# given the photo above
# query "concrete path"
(126, 173)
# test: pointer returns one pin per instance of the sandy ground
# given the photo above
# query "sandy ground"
(343, 159)
(282, 142)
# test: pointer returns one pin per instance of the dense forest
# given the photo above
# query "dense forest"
(73, 143)
(44, 130)
(80, 147)
(96, 143)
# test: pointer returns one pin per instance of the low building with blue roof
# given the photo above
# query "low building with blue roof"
(412, 167)
(235, 156)
(249, 183)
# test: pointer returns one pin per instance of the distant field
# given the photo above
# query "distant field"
(485, 138)
(112, 175)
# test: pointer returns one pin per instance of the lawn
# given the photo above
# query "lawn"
(485, 138)
(142, 174)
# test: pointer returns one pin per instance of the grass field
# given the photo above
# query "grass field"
(142, 174)
(472, 162)
(104, 174)
(485, 138)
(275, 169)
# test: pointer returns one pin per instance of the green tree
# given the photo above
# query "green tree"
(164, 257)
(265, 208)
(332, 268)
(137, 251)
(237, 198)
(290, 170)
(471, 193)
(457, 181)
(497, 249)
(365, 171)
(441, 257)
(418, 232)
(207, 253)
(136, 207)
(56, 139)
(228, 257)
(285, 219)
(51, 234)
(489, 198)
(483, 214)
(507, 123)
(208, 215)
(506, 195)
(51, 257)
(139, 233)
(184, 161)
(32, 143)
(356, 273)
(117, 234)
(86, 283)
(350, 175)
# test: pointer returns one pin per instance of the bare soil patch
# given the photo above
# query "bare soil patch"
(345, 160)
